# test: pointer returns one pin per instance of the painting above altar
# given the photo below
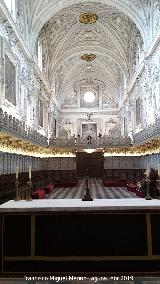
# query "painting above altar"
(89, 129)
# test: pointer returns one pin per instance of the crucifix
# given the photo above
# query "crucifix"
(89, 115)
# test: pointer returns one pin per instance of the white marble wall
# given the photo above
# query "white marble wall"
(29, 84)
(72, 122)
(147, 88)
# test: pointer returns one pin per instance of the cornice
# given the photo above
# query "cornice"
(4, 13)
(92, 110)
(9, 144)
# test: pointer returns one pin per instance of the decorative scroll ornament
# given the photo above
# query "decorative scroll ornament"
(88, 18)
(88, 57)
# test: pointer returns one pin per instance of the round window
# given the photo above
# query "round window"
(89, 97)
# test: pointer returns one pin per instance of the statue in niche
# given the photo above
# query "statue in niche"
(138, 111)
(72, 100)
(68, 126)
(115, 132)
(109, 102)
(40, 113)
(63, 133)
(89, 129)
(89, 115)
(67, 122)
(109, 125)
(10, 81)
(89, 139)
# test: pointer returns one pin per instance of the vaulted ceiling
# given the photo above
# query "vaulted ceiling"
(38, 12)
(113, 39)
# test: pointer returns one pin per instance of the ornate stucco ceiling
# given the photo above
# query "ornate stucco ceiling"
(40, 11)
(121, 25)
(112, 39)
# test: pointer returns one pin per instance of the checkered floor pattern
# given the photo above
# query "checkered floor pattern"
(97, 191)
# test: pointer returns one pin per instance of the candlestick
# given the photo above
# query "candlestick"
(17, 169)
(28, 197)
(159, 170)
(29, 171)
(87, 196)
(148, 168)
(148, 197)
(17, 198)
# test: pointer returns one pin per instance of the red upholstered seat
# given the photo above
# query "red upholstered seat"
(49, 188)
(134, 188)
(38, 194)
(139, 193)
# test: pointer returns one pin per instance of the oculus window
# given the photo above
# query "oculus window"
(89, 96)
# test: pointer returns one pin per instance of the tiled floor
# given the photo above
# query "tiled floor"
(97, 191)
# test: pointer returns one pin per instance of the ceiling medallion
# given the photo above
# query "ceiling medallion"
(88, 18)
(88, 57)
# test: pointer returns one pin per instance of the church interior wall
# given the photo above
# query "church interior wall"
(59, 163)
(51, 54)
(119, 162)
(151, 160)
(73, 122)
(26, 93)
(147, 89)
(31, 86)
(124, 162)
(9, 162)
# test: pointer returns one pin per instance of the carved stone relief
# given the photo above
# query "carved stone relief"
(20, 16)
(10, 81)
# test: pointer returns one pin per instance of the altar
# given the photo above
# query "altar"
(67, 236)
(77, 205)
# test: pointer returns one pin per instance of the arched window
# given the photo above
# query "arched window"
(11, 7)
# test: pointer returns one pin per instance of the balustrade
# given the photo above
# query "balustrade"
(152, 131)
(102, 142)
(11, 125)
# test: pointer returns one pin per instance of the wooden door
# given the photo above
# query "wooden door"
(91, 163)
